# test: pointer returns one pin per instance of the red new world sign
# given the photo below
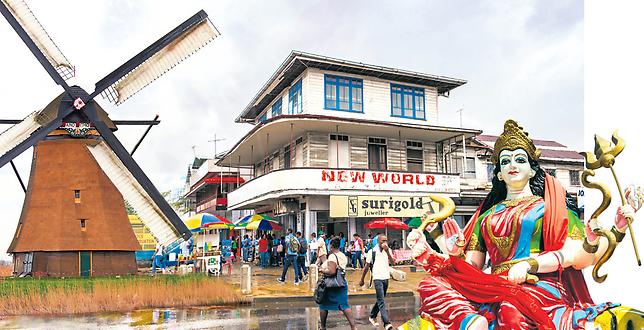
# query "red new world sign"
(378, 177)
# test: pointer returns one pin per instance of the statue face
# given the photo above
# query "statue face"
(515, 168)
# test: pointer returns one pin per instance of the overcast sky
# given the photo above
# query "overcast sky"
(521, 59)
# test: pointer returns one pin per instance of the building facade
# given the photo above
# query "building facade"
(336, 144)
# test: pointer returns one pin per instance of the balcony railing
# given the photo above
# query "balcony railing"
(327, 181)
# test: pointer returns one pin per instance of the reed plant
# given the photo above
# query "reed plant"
(22, 296)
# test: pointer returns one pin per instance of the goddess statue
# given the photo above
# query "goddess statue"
(536, 245)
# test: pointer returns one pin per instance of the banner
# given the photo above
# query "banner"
(378, 206)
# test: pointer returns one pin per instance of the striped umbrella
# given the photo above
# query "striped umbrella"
(263, 224)
(206, 220)
(414, 222)
(241, 224)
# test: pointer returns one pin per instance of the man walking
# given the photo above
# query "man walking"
(358, 247)
(301, 257)
(378, 259)
(313, 248)
(290, 258)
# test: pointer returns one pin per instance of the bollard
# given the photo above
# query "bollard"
(245, 284)
(313, 277)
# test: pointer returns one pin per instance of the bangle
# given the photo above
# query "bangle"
(589, 248)
(534, 265)
(619, 236)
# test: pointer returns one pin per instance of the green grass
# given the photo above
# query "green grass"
(24, 286)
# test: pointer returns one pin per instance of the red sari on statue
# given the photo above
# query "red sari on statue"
(457, 291)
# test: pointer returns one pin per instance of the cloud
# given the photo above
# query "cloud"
(518, 59)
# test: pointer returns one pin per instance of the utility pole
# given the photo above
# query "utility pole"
(460, 111)
(215, 140)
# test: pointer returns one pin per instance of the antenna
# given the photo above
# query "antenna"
(194, 151)
(215, 140)
(460, 111)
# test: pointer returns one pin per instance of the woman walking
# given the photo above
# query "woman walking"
(335, 298)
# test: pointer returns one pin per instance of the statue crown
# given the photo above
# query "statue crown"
(512, 138)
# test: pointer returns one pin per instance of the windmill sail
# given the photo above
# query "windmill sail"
(40, 37)
(158, 59)
(149, 213)
(18, 133)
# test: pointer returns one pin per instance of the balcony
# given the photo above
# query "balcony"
(212, 203)
(325, 181)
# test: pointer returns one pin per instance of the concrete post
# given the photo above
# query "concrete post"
(313, 276)
(245, 284)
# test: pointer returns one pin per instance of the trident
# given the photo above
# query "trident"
(604, 156)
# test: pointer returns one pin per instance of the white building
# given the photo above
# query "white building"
(337, 143)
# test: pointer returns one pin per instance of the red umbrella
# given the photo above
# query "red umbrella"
(387, 223)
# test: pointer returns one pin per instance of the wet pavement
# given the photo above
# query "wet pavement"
(265, 285)
(278, 316)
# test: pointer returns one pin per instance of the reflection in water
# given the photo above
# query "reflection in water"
(276, 316)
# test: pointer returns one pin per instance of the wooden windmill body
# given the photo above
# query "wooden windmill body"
(73, 220)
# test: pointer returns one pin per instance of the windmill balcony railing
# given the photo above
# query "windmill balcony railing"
(331, 181)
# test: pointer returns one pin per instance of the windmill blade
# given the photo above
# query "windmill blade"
(135, 186)
(37, 40)
(25, 134)
(157, 59)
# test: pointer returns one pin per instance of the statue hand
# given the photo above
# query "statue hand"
(624, 212)
(454, 239)
(417, 242)
(591, 237)
(518, 273)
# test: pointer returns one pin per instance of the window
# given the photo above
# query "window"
(276, 109)
(295, 98)
(83, 225)
(551, 171)
(262, 118)
(574, 178)
(342, 93)
(470, 168)
(77, 196)
(414, 156)
(338, 137)
(490, 172)
(407, 102)
(287, 157)
(377, 153)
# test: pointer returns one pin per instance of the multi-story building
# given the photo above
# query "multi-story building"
(207, 188)
(337, 143)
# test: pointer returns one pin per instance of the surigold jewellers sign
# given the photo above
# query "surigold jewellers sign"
(378, 206)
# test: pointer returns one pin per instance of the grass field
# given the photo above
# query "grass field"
(20, 296)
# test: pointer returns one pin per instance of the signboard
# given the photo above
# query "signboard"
(393, 181)
(378, 206)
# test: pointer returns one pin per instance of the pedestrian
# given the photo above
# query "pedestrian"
(322, 251)
(157, 258)
(292, 249)
(301, 256)
(276, 247)
(244, 248)
(343, 242)
(349, 253)
(313, 249)
(368, 244)
(263, 251)
(233, 247)
(335, 298)
(282, 249)
(358, 247)
(378, 259)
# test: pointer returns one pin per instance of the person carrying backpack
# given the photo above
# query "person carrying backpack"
(292, 249)
(378, 259)
(301, 257)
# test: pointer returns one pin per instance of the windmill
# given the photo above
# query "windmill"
(73, 220)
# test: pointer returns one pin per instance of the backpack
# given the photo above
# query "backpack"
(294, 244)
(302, 249)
